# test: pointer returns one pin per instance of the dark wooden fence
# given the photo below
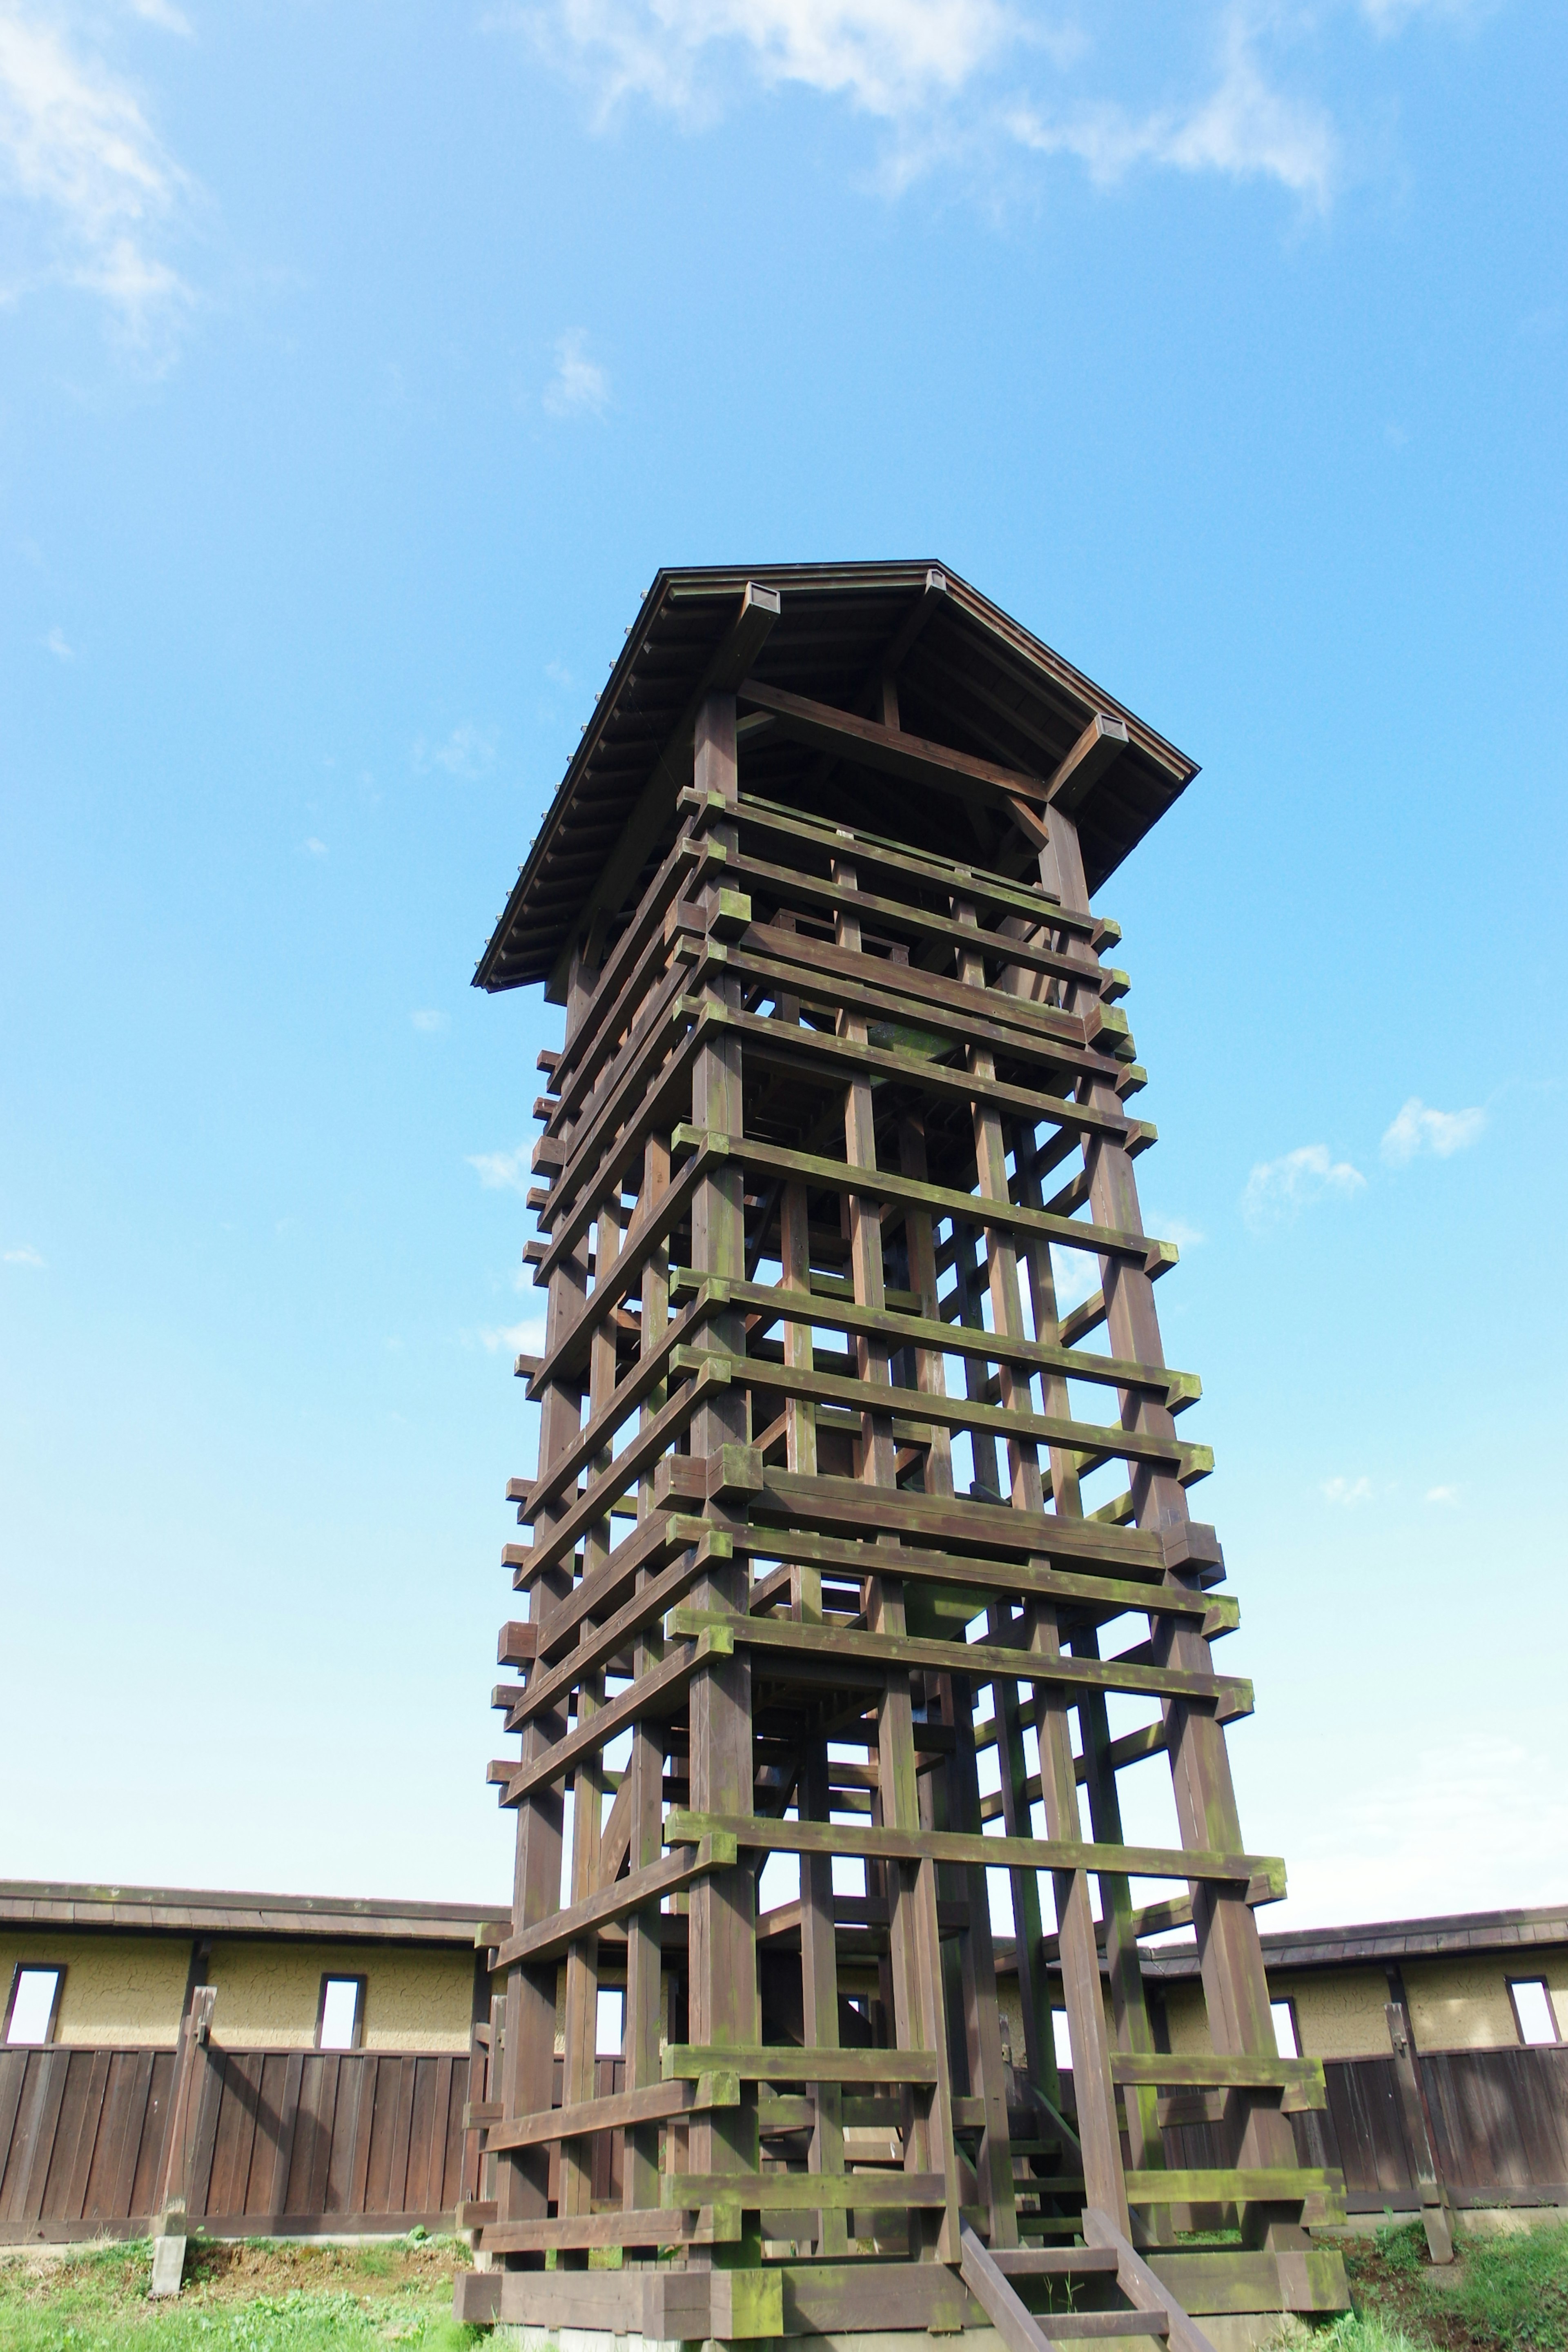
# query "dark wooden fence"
(296, 2143)
(282, 2143)
(1498, 2119)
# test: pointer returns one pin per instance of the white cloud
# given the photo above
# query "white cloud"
(1279, 1189)
(966, 79)
(468, 753)
(579, 384)
(314, 848)
(430, 1024)
(503, 1172)
(1417, 1130)
(23, 1255)
(1447, 1495)
(161, 13)
(56, 645)
(1243, 128)
(525, 1339)
(1348, 1491)
(78, 153)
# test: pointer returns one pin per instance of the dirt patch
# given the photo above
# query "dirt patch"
(224, 2270)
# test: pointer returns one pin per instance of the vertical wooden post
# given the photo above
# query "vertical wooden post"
(1229, 1954)
(645, 1765)
(528, 2056)
(1436, 2218)
(722, 1946)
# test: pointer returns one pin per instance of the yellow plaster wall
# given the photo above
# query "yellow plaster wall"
(1462, 2004)
(270, 1989)
(1339, 2014)
(122, 1990)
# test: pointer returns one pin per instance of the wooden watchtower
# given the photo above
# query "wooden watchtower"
(859, 1565)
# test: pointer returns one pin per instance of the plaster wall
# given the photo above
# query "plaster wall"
(270, 1989)
(1462, 2004)
(122, 1990)
(1339, 2012)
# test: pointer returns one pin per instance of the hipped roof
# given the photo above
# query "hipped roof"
(968, 677)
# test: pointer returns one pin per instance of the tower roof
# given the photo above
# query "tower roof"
(967, 678)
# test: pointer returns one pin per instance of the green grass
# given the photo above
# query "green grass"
(255, 2298)
(1507, 2293)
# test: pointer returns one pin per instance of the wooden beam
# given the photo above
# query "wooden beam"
(1102, 741)
(910, 757)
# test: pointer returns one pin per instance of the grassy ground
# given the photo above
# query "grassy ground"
(1507, 2293)
(259, 2297)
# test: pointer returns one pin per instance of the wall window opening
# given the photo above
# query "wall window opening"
(34, 2006)
(1532, 2012)
(1287, 2032)
(339, 2022)
(612, 2025)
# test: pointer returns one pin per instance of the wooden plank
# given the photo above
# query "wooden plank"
(1019, 2329)
(1234, 2281)
(1098, 1440)
(986, 1660)
(828, 2298)
(790, 2062)
(650, 2104)
(1201, 2070)
(882, 1184)
(796, 2192)
(585, 2230)
(946, 1338)
(951, 1846)
(51, 2074)
(920, 869)
(1139, 2283)
(289, 2121)
(658, 1691)
(908, 757)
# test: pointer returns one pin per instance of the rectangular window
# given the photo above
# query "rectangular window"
(1532, 2011)
(1063, 2039)
(34, 2006)
(1287, 2034)
(612, 2027)
(340, 2020)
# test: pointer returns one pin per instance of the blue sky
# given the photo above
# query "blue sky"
(360, 365)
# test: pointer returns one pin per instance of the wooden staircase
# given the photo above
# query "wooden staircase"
(1105, 2263)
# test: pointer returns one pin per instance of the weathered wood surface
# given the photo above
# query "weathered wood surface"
(841, 1101)
(280, 2141)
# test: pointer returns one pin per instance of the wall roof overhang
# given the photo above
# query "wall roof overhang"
(968, 678)
(184, 1911)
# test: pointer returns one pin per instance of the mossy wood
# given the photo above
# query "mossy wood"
(845, 1538)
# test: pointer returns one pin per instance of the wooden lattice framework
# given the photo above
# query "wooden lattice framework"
(841, 1514)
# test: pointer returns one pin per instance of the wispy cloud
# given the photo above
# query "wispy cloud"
(314, 848)
(468, 753)
(1347, 1491)
(518, 1338)
(161, 13)
(1242, 128)
(430, 1024)
(56, 644)
(1446, 1495)
(966, 83)
(22, 1255)
(503, 1172)
(82, 164)
(579, 385)
(1418, 1130)
(1279, 1189)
